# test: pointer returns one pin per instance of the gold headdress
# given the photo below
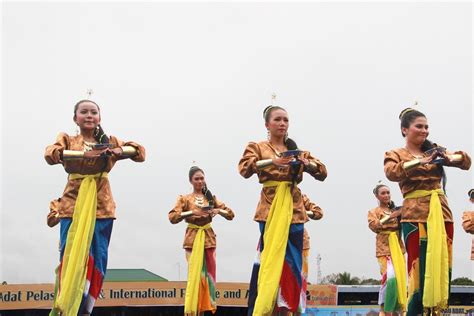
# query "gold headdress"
(408, 110)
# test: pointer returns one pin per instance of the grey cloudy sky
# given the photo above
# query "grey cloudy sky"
(189, 81)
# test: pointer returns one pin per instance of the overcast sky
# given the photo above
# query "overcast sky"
(190, 82)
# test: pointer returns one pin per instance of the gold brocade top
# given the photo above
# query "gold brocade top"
(468, 221)
(264, 150)
(105, 201)
(468, 225)
(392, 225)
(421, 177)
(52, 219)
(317, 215)
(187, 203)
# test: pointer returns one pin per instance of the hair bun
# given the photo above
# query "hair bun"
(266, 110)
(405, 111)
(378, 186)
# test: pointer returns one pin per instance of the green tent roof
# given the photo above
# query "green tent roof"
(131, 275)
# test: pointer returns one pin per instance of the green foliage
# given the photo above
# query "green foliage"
(345, 278)
(462, 281)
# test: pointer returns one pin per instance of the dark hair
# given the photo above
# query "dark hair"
(391, 205)
(377, 188)
(407, 117)
(99, 133)
(471, 193)
(207, 193)
(294, 168)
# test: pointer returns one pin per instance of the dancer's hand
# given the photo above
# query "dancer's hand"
(282, 161)
(214, 212)
(94, 153)
(199, 212)
(116, 152)
(304, 161)
(395, 214)
(428, 159)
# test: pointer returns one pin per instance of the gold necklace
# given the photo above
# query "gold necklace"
(277, 152)
(386, 210)
(199, 201)
(88, 146)
(416, 156)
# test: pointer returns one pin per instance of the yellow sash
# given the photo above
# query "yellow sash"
(436, 288)
(194, 271)
(399, 266)
(75, 176)
(275, 240)
(79, 238)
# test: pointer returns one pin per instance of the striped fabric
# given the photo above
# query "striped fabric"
(207, 284)
(437, 262)
(292, 288)
(393, 291)
(416, 240)
(388, 294)
(96, 263)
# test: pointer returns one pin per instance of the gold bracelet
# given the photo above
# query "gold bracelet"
(129, 151)
(72, 154)
(384, 219)
(186, 214)
(264, 163)
(411, 164)
(223, 212)
(455, 157)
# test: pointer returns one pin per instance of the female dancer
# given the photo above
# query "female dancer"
(86, 210)
(197, 209)
(383, 220)
(427, 221)
(277, 282)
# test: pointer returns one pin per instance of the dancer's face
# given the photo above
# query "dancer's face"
(417, 132)
(87, 116)
(278, 123)
(383, 195)
(198, 181)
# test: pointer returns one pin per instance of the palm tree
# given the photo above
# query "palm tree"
(345, 278)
